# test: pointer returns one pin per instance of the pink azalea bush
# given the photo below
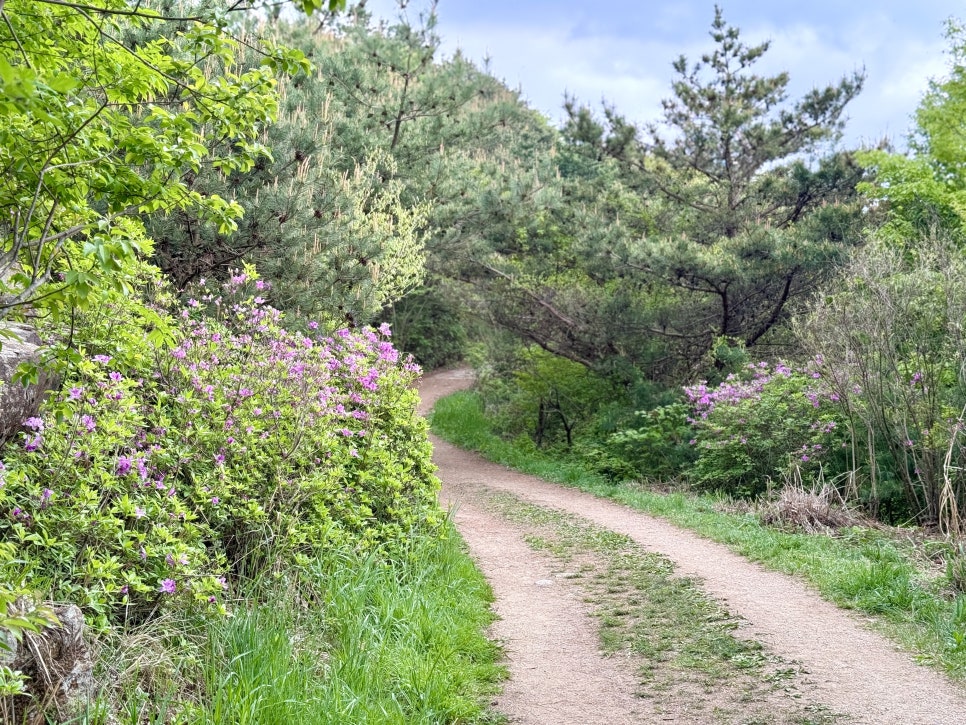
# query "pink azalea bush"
(761, 423)
(163, 469)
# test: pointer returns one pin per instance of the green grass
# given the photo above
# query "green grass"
(862, 569)
(353, 640)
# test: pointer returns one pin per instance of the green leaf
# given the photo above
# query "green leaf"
(63, 83)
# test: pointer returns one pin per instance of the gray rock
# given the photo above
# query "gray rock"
(18, 401)
(59, 666)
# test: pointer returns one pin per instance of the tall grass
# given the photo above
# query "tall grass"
(350, 640)
(881, 575)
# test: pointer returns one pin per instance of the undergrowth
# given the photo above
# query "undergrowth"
(351, 639)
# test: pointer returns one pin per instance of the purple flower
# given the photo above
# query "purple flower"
(115, 376)
(34, 423)
(123, 466)
(138, 512)
(32, 444)
(313, 325)
(75, 394)
(88, 423)
(102, 359)
(385, 329)
(215, 500)
(168, 586)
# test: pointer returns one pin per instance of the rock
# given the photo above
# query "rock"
(17, 401)
(59, 666)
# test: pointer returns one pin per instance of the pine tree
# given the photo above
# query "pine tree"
(745, 215)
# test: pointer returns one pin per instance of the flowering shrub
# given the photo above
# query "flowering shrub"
(760, 423)
(239, 447)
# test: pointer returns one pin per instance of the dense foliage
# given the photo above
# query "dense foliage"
(240, 449)
(649, 245)
(93, 135)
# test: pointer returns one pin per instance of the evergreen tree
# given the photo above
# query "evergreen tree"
(377, 160)
(745, 216)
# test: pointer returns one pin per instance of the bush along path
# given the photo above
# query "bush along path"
(686, 630)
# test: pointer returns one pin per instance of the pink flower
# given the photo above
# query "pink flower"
(168, 586)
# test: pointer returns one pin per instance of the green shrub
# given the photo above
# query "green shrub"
(551, 399)
(659, 445)
(155, 474)
(889, 343)
(427, 326)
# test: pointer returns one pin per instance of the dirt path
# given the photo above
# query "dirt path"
(558, 674)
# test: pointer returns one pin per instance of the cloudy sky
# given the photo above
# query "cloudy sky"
(621, 50)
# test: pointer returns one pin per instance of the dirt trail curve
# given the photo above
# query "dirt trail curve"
(557, 672)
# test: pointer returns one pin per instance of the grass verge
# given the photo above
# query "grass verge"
(874, 572)
(352, 640)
